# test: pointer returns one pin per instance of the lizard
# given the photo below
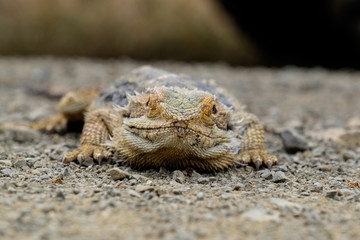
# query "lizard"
(152, 118)
(71, 109)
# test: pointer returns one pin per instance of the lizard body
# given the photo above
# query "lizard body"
(71, 109)
(151, 118)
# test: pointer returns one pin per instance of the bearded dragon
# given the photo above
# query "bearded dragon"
(152, 118)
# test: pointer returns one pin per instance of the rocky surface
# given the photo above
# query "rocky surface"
(313, 193)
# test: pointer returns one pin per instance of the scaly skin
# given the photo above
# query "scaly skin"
(173, 121)
(71, 108)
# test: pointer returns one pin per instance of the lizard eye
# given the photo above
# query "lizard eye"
(147, 103)
(214, 110)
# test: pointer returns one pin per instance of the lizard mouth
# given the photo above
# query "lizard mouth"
(180, 131)
(178, 135)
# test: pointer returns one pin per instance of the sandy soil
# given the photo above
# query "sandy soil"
(310, 194)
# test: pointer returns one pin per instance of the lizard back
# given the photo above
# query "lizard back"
(146, 78)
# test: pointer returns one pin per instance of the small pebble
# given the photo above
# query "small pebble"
(226, 196)
(6, 163)
(178, 191)
(195, 175)
(293, 141)
(347, 155)
(60, 196)
(266, 174)
(76, 191)
(117, 174)
(133, 182)
(21, 163)
(97, 190)
(333, 194)
(200, 196)
(357, 206)
(6, 171)
(160, 191)
(279, 177)
(133, 193)
(203, 180)
(44, 177)
(65, 172)
(238, 187)
(282, 168)
(142, 188)
(178, 176)
(89, 161)
(317, 187)
(346, 192)
(40, 164)
(260, 215)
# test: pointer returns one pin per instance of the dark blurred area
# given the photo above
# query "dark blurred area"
(272, 33)
(302, 32)
(184, 30)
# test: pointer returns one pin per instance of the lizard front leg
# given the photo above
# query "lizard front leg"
(98, 128)
(253, 147)
(71, 108)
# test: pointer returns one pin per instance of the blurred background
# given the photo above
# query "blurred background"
(272, 33)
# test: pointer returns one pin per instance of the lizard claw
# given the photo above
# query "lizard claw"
(99, 158)
(258, 158)
(63, 159)
(110, 159)
(80, 158)
(257, 165)
(98, 153)
(269, 165)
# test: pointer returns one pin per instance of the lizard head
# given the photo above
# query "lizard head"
(75, 102)
(175, 126)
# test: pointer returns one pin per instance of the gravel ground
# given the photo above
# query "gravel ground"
(313, 193)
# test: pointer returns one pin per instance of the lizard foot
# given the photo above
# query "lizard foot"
(258, 158)
(55, 123)
(98, 153)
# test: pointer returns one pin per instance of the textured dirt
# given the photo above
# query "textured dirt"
(310, 194)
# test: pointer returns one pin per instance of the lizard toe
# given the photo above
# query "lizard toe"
(87, 150)
(245, 157)
(256, 159)
(71, 156)
(63, 159)
(100, 153)
(80, 158)
(270, 160)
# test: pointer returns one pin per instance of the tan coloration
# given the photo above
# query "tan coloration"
(175, 130)
(98, 128)
(71, 108)
(341, 136)
(58, 180)
(54, 123)
(351, 138)
(254, 148)
(173, 127)
(353, 184)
